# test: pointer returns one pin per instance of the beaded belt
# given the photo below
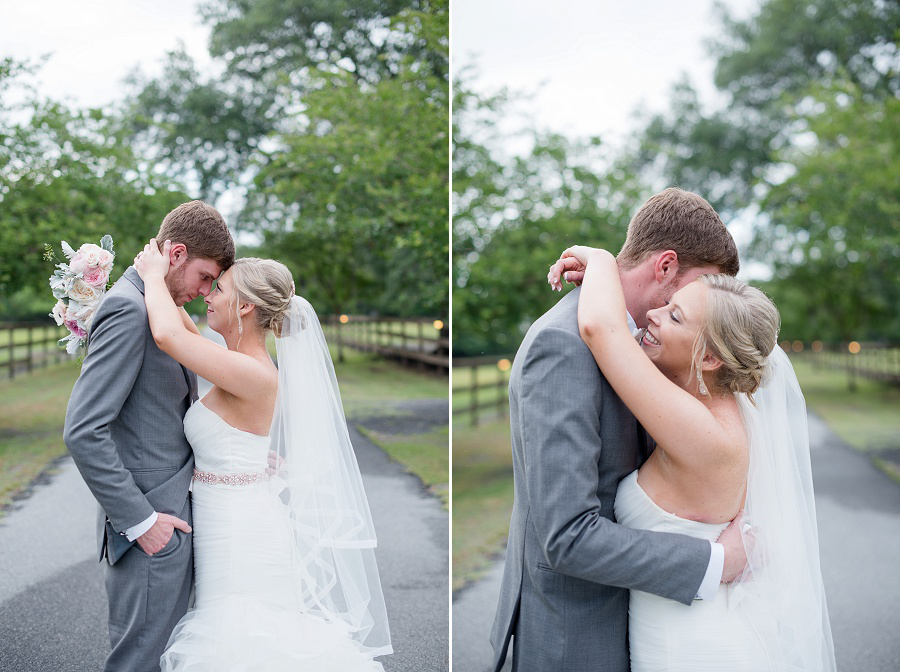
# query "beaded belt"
(229, 479)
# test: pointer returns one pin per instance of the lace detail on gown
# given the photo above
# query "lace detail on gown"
(666, 636)
(244, 618)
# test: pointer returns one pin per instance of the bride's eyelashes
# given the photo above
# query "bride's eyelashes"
(672, 315)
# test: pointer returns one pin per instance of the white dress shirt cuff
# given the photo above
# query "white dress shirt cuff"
(713, 578)
(135, 531)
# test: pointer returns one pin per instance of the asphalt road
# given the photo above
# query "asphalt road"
(858, 511)
(53, 604)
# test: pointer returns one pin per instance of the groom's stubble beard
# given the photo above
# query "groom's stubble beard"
(175, 285)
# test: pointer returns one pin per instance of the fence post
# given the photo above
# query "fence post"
(28, 365)
(500, 385)
(12, 373)
(421, 344)
(475, 396)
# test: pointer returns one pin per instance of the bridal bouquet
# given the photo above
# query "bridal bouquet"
(78, 287)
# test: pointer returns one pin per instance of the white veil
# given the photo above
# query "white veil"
(781, 589)
(318, 481)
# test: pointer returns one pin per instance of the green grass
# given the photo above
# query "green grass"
(427, 455)
(867, 418)
(369, 382)
(482, 497)
(32, 415)
(370, 386)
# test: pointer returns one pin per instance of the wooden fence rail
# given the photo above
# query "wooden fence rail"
(873, 361)
(418, 341)
(25, 346)
(481, 384)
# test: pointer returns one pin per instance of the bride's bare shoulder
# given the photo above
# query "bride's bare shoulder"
(727, 413)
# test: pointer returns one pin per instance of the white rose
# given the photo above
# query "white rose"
(59, 313)
(84, 315)
(83, 292)
(91, 254)
(106, 259)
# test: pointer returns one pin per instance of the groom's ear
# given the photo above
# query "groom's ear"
(665, 268)
(178, 254)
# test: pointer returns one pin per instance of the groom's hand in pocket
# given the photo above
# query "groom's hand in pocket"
(156, 538)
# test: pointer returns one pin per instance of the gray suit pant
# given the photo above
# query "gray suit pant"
(148, 595)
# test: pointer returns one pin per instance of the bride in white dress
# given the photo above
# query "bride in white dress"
(285, 576)
(720, 399)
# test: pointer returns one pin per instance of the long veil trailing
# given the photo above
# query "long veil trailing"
(781, 590)
(319, 483)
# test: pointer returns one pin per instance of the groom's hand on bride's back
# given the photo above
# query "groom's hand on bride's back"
(156, 538)
(735, 552)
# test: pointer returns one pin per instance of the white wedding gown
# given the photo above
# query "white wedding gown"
(667, 636)
(246, 614)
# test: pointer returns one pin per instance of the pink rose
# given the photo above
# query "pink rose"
(96, 276)
(75, 329)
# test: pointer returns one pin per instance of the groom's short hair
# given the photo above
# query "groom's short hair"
(679, 220)
(202, 230)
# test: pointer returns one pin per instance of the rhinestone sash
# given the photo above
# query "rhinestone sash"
(229, 479)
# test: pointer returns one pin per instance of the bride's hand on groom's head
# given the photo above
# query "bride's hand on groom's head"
(570, 266)
(151, 261)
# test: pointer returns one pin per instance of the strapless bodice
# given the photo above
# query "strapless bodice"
(220, 448)
(636, 510)
(667, 636)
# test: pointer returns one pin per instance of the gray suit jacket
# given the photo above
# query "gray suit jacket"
(569, 566)
(124, 419)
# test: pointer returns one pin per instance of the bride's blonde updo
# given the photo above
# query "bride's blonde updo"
(268, 285)
(741, 329)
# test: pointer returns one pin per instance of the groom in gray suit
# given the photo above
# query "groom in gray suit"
(569, 565)
(124, 431)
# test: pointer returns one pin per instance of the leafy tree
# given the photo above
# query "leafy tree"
(69, 175)
(803, 146)
(834, 237)
(200, 130)
(334, 118)
(765, 66)
(513, 217)
(260, 37)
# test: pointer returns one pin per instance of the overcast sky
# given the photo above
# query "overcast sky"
(94, 44)
(589, 63)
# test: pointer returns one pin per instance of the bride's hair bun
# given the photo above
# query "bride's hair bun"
(268, 285)
(741, 329)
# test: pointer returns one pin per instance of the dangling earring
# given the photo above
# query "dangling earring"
(701, 384)
(240, 326)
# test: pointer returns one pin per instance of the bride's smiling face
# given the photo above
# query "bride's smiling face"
(672, 330)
